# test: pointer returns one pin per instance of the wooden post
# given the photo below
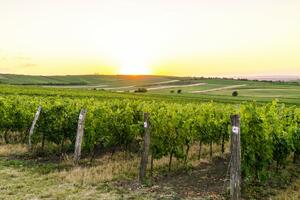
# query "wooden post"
(235, 170)
(223, 145)
(79, 136)
(151, 165)
(200, 149)
(296, 156)
(36, 117)
(144, 160)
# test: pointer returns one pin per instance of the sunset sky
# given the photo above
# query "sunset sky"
(170, 37)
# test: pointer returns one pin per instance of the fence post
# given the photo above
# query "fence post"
(235, 170)
(144, 160)
(36, 117)
(79, 136)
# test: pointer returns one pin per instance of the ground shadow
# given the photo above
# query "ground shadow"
(206, 179)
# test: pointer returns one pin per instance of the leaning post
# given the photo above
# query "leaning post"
(79, 136)
(36, 117)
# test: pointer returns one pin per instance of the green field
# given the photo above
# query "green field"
(83, 80)
(159, 87)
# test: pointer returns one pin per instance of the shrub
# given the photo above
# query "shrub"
(235, 93)
(179, 91)
(141, 90)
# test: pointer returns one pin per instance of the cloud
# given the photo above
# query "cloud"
(28, 65)
(21, 58)
(15, 60)
(4, 69)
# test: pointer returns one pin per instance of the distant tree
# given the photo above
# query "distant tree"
(172, 91)
(235, 93)
(141, 90)
(179, 91)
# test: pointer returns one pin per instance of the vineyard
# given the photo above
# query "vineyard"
(269, 133)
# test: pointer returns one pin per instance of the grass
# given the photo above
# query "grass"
(265, 92)
(291, 192)
(24, 176)
(253, 90)
(19, 182)
(281, 185)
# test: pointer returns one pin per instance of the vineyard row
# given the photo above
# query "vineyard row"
(269, 133)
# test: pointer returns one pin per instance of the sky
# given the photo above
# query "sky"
(163, 37)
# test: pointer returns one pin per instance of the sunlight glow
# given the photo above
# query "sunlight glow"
(131, 57)
(135, 70)
(169, 37)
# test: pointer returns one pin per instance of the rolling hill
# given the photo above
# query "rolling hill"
(107, 80)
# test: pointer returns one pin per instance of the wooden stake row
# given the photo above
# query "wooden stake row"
(79, 135)
(235, 170)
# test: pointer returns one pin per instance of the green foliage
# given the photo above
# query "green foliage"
(295, 133)
(256, 143)
(269, 133)
(16, 116)
(58, 121)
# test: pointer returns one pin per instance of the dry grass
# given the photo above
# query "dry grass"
(106, 168)
(291, 193)
(38, 179)
(20, 183)
(101, 170)
(13, 150)
(35, 179)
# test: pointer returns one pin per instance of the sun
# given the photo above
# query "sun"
(133, 60)
(134, 70)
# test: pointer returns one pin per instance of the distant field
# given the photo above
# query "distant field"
(83, 80)
(159, 88)
(221, 90)
(265, 92)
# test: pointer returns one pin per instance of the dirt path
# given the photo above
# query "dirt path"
(163, 82)
(132, 86)
(175, 86)
(75, 86)
(123, 88)
(218, 89)
(119, 88)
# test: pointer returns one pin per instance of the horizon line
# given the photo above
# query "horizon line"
(195, 76)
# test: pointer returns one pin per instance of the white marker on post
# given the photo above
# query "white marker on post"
(145, 125)
(235, 129)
